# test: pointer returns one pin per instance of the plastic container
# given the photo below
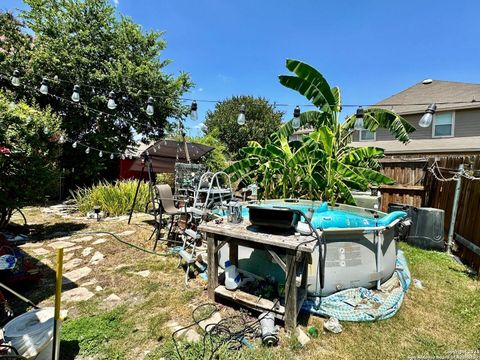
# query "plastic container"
(32, 333)
(232, 276)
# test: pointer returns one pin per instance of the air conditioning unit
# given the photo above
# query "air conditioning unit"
(426, 229)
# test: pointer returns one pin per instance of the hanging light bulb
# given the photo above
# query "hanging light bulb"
(16, 78)
(111, 104)
(149, 109)
(100, 154)
(193, 111)
(111, 157)
(76, 93)
(74, 145)
(241, 116)
(87, 151)
(61, 139)
(44, 86)
(46, 130)
(296, 117)
(427, 118)
(359, 119)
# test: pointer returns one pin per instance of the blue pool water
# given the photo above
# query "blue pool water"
(325, 217)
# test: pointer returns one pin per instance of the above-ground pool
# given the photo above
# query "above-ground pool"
(353, 238)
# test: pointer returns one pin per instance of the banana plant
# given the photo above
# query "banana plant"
(322, 165)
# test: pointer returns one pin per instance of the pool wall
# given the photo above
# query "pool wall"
(351, 254)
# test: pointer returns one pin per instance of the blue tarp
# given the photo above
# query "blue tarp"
(361, 304)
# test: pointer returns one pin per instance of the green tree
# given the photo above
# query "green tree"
(29, 147)
(83, 42)
(261, 120)
(322, 165)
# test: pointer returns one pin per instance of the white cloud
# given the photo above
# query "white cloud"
(116, 2)
(199, 126)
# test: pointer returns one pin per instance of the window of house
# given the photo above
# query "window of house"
(443, 124)
(366, 135)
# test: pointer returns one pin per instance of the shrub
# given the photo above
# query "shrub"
(113, 198)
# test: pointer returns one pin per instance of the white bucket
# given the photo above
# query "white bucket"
(32, 333)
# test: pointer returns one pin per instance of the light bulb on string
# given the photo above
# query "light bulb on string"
(44, 86)
(296, 117)
(111, 157)
(193, 111)
(241, 116)
(427, 118)
(149, 109)
(46, 130)
(359, 119)
(100, 154)
(16, 78)
(76, 93)
(74, 145)
(61, 139)
(111, 104)
(87, 150)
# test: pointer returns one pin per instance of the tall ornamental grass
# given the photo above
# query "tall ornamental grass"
(113, 198)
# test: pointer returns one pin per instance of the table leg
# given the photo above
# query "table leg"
(291, 310)
(233, 252)
(212, 262)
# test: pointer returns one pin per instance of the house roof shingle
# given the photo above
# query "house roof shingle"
(460, 96)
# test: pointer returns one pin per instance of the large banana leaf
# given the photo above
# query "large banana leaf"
(313, 80)
(375, 118)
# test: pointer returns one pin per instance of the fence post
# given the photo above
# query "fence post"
(453, 218)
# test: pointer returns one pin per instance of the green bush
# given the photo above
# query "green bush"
(113, 198)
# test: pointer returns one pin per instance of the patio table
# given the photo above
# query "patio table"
(296, 250)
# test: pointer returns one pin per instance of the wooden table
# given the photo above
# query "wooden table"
(297, 250)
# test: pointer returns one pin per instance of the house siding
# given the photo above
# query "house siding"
(467, 123)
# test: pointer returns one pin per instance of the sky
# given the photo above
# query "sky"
(371, 49)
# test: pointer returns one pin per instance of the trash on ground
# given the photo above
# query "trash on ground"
(333, 325)
(418, 284)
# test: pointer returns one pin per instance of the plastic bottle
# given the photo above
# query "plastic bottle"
(232, 276)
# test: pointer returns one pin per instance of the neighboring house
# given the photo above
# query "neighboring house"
(455, 127)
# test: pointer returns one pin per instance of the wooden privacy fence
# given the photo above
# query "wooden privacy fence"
(417, 186)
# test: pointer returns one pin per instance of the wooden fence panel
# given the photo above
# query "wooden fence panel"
(418, 187)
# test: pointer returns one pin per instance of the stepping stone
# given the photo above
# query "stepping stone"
(30, 245)
(82, 239)
(87, 251)
(302, 338)
(189, 334)
(96, 258)
(207, 325)
(99, 241)
(144, 273)
(64, 238)
(68, 256)
(73, 248)
(77, 294)
(75, 275)
(98, 288)
(40, 251)
(61, 244)
(112, 299)
(72, 264)
(45, 263)
(126, 233)
(91, 282)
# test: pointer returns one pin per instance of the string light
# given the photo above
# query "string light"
(44, 86)
(359, 119)
(76, 93)
(296, 117)
(241, 116)
(149, 109)
(16, 78)
(111, 104)
(427, 118)
(111, 157)
(74, 145)
(193, 111)
(100, 154)
(87, 151)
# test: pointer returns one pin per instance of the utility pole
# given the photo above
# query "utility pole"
(456, 199)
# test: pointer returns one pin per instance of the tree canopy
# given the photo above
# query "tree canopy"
(83, 42)
(261, 120)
